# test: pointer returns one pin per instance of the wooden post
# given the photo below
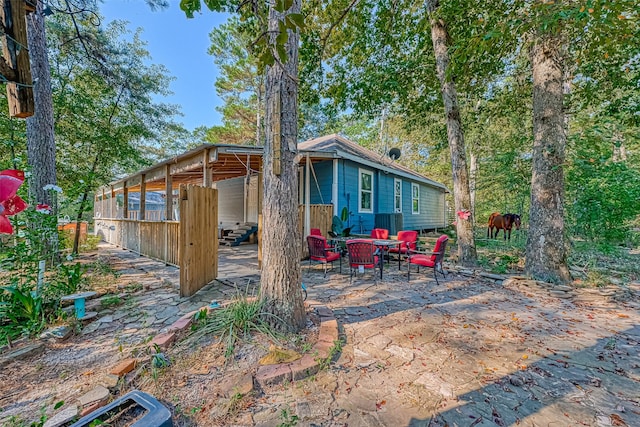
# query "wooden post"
(143, 199)
(168, 188)
(307, 197)
(103, 204)
(112, 204)
(125, 205)
(206, 171)
(334, 188)
(14, 64)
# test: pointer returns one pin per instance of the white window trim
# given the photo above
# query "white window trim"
(370, 173)
(397, 209)
(413, 185)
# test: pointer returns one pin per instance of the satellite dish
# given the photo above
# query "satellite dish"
(394, 153)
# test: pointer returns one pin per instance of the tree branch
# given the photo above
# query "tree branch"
(335, 24)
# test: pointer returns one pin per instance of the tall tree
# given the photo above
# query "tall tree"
(240, 86)
(41, 145)
(546, 244)
(462, 199)
(277, 47)
(105, 110)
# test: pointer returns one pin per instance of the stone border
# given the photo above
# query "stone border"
(309, 364)
(266, 375)
(577, 294)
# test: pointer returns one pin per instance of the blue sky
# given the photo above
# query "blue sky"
(180, 44)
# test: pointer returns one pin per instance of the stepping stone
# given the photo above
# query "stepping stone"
(21, 353)
(88, 316)
(79, 301)
(62, 417)
(98, 394)
(58, 332)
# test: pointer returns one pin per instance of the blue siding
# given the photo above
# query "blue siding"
(324, 175)
(432, 200)
(385, 193)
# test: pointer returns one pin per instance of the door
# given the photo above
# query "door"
(198, 238)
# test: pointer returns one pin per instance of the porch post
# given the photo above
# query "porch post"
(143, 198)
(168, 188)
(206, 172)
(125, 205)
(307, 197)
(113, 207)
(334, 187)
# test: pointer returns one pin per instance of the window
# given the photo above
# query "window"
(415, 199)
(366, 191)
(397, 195)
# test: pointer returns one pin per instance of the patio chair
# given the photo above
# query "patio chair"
(382, 234)
(318, 252)
(432, 260)
(362, 253)
(317, 232)
(409, 239)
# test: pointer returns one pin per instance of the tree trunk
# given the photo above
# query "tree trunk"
(546, 242)
(281, 241)
(473, 175)
(41, 146)
(76, 235)
(466, 245)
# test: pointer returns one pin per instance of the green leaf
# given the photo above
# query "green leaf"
(58, 405)
(283, 35)
(297, 18)
(279, 7)
(282, 53)
(189, 7)
(267, 59)
(214, 5)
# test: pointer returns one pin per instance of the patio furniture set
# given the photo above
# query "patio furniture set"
(369, 253)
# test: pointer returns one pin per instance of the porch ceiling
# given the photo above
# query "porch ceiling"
(224, 162)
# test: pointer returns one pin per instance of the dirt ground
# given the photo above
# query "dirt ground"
(467, 352)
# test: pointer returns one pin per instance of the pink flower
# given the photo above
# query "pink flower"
(464, 214)
(10, 203)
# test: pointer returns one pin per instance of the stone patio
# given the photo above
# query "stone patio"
(469, 352)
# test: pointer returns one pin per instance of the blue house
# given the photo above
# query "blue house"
(376, 190)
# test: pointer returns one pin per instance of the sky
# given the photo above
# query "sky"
(181, 45)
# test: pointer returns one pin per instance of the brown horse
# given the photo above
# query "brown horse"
(502, 222)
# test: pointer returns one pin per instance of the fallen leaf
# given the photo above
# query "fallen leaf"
(524, 356)
(617, 421)
(379, 405)
(622, 315)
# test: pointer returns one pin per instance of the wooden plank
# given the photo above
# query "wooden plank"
(143, 199)
(168, 200)
(15, 56)
(206, 170)
(134, 181)
(186, 164)
(125, 203)
(156, 174)
(198, 242)
(320, 216)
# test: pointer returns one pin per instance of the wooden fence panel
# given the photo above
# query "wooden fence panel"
(320, 216)
(157, 240)
(198, 238)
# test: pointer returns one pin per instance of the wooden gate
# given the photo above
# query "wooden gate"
(198, 238)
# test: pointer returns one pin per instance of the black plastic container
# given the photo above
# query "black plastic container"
(155, 413)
